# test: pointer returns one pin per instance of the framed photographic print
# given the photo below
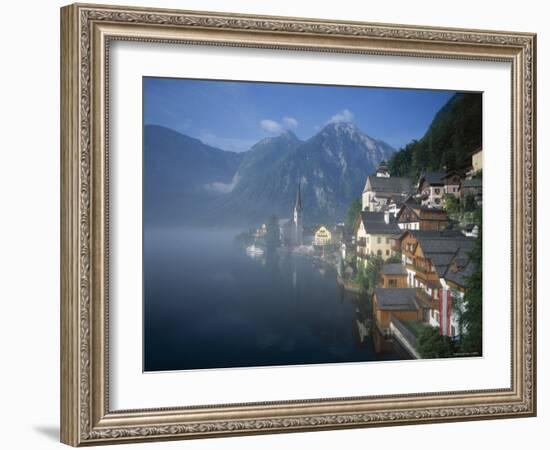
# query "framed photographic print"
(276, 224)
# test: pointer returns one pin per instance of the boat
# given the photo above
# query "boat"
(254, 250)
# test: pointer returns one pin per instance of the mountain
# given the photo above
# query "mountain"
(186, 181)
(181, 175)
(331, 167)
(454, 134)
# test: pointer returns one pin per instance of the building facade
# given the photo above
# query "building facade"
(381, 189)
(436, 263)
(393, 275)
(374, 236)
(322, 236)
(417, 217)
(433, 186)
(477, 161)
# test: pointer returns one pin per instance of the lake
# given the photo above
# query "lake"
(207, 304)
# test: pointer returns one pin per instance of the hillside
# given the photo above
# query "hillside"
(454, 134)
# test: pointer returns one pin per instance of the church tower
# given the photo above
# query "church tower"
(383, 171)
(298, 228)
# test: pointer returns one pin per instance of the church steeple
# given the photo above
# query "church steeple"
(298, 205)
(298, 228)
(383, 171)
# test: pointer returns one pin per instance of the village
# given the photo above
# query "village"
(406, 251)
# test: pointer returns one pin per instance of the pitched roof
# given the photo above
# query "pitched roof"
(434, 178)
(461, 274)
(397, 185)
(441, 248)
(446, 249)
(393, 269)
(374, 223)
(396, 299)
(420, 211)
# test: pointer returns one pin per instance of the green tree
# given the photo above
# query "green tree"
(430, 344)
(470, 319)
(453, 133)
(372, 271)
(470, 203)
(352, 215)
(272, 235)
(451, 204)
(394, 259)
(361, 280)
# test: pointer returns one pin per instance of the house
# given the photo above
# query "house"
(429, 257)
(322, 236)
(473, 186)
(397, 201)
(471, 230)
(433, 186)
(412, 216)
(399, 303)
(380, 190)
(455, 282)
(477, 161)
(393, 275)
(374, 235)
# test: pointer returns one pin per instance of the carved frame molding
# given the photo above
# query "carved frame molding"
(86, 31)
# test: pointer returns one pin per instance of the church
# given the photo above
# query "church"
(292, 230)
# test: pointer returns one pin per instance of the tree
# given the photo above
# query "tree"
(451, 204)
(272, 235)
(352, 215)
(430, 344)
(394, 259)
(470, 319)
(470, 203)
(372, 271)
(361, 280)
(455, 128)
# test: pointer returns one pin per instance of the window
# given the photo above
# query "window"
(387, 240)
(392, 283)
(379, 252)
(437, 201)
(387, 253)
(379, 239)
(437, 191)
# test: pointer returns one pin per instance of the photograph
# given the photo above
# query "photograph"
(296, 224)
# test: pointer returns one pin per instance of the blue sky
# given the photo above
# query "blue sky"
(235, 115)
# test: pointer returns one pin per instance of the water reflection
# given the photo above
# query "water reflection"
(209, 303)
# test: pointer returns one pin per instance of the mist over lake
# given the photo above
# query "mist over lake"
(207, 304)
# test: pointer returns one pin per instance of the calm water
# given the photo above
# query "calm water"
(209, 305)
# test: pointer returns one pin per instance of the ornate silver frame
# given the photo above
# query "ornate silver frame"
(86, 31)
